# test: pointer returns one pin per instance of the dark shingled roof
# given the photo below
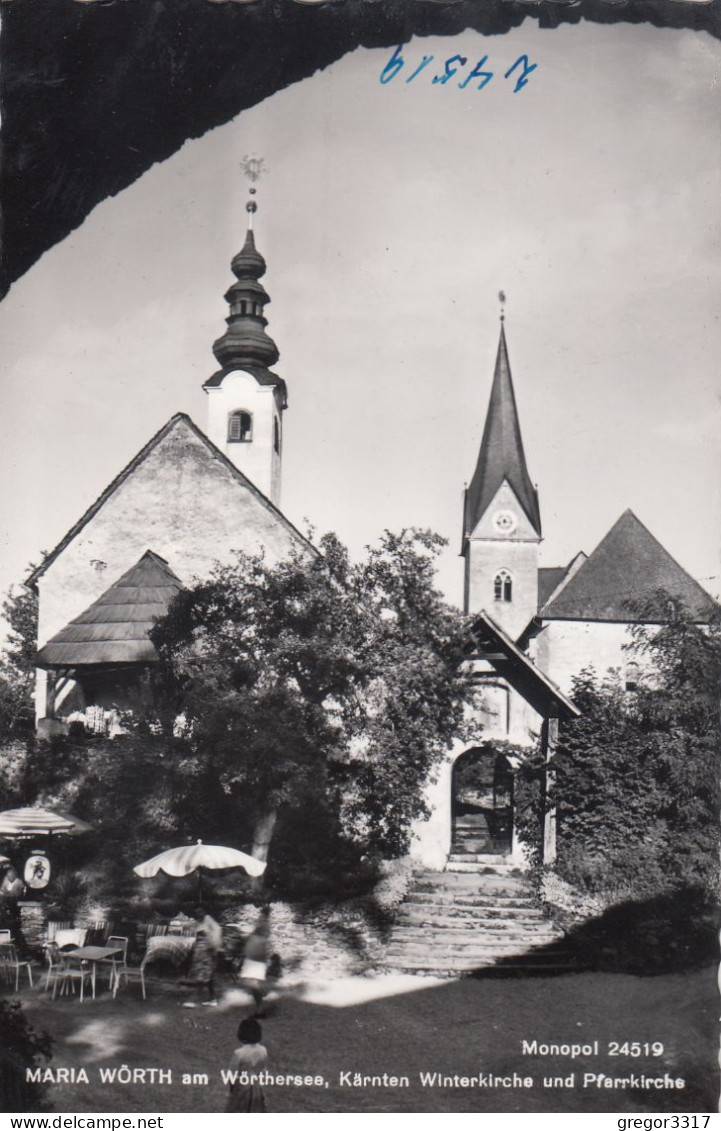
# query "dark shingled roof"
(501, 455)
(551, 577)
(548, 579)
(628, 565)
(114, 629)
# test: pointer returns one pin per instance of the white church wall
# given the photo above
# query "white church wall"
(256, 458)
(564, 648)
(520, 559)
(490, 550)
(181, 502)
(504, 716)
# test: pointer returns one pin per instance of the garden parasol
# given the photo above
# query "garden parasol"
(190, 858)
(31, 822)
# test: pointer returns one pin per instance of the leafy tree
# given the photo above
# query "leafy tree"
(637, 791)
(315, 678)
(17, 681)
(17, 664)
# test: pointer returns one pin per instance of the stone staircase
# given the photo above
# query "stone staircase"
(479, 913)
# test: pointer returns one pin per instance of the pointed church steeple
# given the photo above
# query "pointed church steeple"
(501, 456)
(501, 518)
(246, 399)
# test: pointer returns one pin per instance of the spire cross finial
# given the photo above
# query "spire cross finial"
(502, 300)
(253, 168)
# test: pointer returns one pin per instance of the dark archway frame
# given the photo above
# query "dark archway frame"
(482, 802)
(93, 94)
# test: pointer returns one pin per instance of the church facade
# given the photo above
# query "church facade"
(187, 501)
(557, 621)
(190, 499)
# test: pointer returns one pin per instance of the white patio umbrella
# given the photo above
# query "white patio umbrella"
(31, 821)
(189, 858)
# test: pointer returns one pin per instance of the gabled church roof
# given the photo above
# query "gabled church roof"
(114, 629)
(551, 579)
(179, 420)
(501, 454)
(627, 566)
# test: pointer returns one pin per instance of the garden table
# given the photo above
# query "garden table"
(93, 954)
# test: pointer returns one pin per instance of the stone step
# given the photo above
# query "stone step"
(477, 856)
(466, 863)
(469, 917)
(433, 950)
(481, 875)
(462, 953)
(471, 902)
(474, 880)
(495, 901)
(471, 959)
(459, 969)
(480, 912)
(476, 883)
(500, 846)
(469, 921)
(470, 907)
(481, 936)
(506, 867)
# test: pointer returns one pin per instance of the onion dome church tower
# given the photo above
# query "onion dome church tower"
(501, 518)
(246, 399)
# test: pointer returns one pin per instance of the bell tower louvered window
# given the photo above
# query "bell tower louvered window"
(240, 427)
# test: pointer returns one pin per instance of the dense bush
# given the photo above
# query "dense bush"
(637, 783)
(21, 1048)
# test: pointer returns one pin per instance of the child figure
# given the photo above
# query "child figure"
(253, 972)
(251, 1057)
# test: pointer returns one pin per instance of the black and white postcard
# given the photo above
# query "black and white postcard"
(360, 551)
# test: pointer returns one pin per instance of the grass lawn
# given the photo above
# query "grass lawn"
(400, 1026)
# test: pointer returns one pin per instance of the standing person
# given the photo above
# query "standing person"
(251, 1057)
(12, 889)
(254, 971)
(208, 938)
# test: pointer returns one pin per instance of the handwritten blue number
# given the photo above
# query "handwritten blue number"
(450, 70)
(424, 63)
(393, 66)
(478, 73)
(522, 78)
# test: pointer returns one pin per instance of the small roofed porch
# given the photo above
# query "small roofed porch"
(472, 801)
(96, 669)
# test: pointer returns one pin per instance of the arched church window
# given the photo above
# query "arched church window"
(276, 434)
(503, 586)
(240, 427)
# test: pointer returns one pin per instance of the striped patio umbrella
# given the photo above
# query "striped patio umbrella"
(189, 858)
(37, 822)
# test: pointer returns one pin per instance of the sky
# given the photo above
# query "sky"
(390, 217)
